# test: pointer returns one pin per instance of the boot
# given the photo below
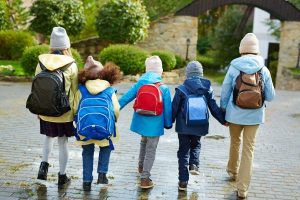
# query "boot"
(86, 186)
(63, 179)
(102, 178)
(43, 171)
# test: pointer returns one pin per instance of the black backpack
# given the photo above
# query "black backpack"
(48, 96)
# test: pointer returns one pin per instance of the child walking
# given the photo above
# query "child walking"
(95, 89)
(191, 98)
(149, 127)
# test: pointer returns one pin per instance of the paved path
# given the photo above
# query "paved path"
(276, 165)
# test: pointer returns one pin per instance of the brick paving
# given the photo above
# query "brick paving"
(276, 162)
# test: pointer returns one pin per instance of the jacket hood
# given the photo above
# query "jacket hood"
(197, 85)
(248, 63)
(96, 86)
(53, 61)
(150, 77)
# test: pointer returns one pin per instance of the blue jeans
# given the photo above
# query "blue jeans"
(88, 160)
(188, 154)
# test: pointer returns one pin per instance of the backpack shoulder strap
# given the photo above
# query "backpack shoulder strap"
(110, 91)
(84, 92)
(183, 90)
(42, 66)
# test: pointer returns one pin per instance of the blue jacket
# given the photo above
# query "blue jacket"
(234, 114)
(149, 126)
(195, 86)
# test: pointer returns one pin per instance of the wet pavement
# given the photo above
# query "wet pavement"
(276, 162)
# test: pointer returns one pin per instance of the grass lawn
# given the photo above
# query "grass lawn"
(16, 65)
(214, 76)
(295, 70)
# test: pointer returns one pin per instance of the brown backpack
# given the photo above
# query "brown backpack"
(248, 91)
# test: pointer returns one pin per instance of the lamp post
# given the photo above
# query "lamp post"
(188, 42)
(298, 61)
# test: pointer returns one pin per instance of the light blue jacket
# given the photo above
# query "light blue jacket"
(234, 114)
(149, 126)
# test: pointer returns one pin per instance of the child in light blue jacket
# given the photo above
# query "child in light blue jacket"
(149, 127)
(244, 123)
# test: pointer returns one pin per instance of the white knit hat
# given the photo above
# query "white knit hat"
(249, 44)
(59, 39)
(154, 64)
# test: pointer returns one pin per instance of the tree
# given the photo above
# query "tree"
(49, 13)
(225, 39)
(18, 14)
(122, 21)
(3, 15)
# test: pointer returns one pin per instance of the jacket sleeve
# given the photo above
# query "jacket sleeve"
(129, 96)
(269, 87)
(76, 101)
(215, 110)
(167, 108)
(176, 104)
(74, 83)
(226, 90)
(116, 106)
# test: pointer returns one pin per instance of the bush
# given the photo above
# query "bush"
(77, 58)
(50, 13)
(180, 62)
(13, 44)
(29, 59)
(122, 21)
(129, 58)
(208, 63)
(168, 59)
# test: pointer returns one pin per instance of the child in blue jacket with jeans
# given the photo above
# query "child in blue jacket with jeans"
(189, 136)
(149, 127)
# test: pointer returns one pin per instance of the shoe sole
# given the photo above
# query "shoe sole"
(182, 189)
(41, 178)
(147, 187)
(193, 172)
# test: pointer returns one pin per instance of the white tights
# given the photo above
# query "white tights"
(63, 152)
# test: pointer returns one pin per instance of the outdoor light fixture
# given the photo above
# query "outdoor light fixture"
(298, 61)
(188, 42)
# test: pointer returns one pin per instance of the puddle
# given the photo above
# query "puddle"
(295, 115)
(18, 167)
(215, 137)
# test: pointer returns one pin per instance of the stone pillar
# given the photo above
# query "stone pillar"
(288, 55)
(171, 33)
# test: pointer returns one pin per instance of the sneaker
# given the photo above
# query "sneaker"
(102, 179)
(62, 180)
(146, 183)
(140, 169)
(241, 195)
(182, 185)
(86, 186)
(232, 176)
(194, 170)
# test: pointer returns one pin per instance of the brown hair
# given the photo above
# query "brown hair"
(66, 52)
(110, 73)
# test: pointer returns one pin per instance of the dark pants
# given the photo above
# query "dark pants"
(187, 154)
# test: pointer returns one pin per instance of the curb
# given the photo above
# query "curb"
(16, 78)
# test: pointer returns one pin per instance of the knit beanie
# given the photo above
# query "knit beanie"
(194, 68)
(249, 44)
(154, 64)
(92, 67)
(59, 39)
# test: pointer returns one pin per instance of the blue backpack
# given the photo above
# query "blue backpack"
(95, 117)
(195, 110)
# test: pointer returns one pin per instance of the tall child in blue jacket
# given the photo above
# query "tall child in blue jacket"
(189, 136)
(149, 127)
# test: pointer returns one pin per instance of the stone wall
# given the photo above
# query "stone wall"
(90, 46)
(288, 55)
(171, 33)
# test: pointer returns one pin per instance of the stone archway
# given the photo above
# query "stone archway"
(171, 33)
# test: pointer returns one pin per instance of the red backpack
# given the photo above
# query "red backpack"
(149, 100)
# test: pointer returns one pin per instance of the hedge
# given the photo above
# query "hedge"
(13, 43)
(129, 58)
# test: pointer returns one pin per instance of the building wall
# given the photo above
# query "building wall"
(171, 33)
(288, 55)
